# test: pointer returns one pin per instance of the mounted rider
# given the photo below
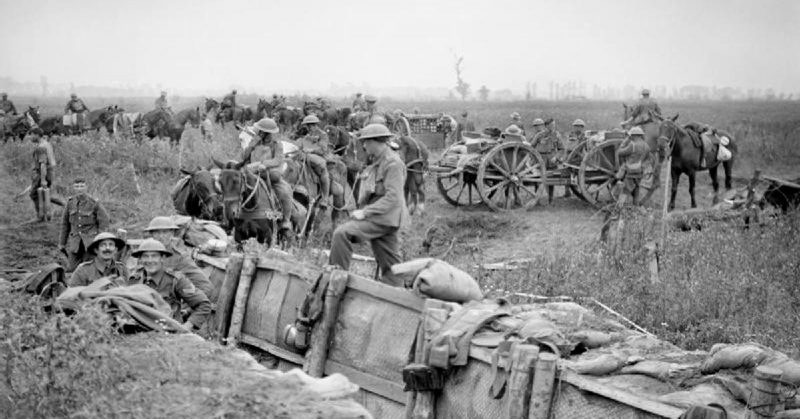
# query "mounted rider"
(637, 171)
(359, 104)
(278, 102)
(265, 157)
(76, 112)
(161, 103)
(316, 146)
(642, 110)
(6, 106)
(228, 102)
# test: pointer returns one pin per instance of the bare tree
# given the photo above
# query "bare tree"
(483, 93)
(462, 87)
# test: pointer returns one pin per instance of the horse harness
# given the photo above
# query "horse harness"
(419, 158)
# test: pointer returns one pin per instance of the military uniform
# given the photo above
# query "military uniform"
(181, 261)
(359, 104)
(161, 104)
(270, 156)
(84, 217)
(641, 111)
(382, 199)
(175, 288)
(88, 272)
(637, 168)
(7, 107)
(42, 154)
(76, 106)
(229, 101)
(575, 139)
(548, 143)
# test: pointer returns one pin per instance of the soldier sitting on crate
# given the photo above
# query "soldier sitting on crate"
(549, 144)
(84, 218)
(104, 247)
(166, 231)
(43, 159)
(636, 171)
(172, 286)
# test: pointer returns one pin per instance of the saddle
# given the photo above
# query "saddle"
(709, 150)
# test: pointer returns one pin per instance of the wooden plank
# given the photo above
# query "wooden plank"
(240, 301)
(294, 267)
(279, 352)
(220, 263)
(393, 295)
(592, 386)
(780, 182)
(382, 387)
(321, 334)
(227, 294)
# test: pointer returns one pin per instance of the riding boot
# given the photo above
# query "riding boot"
(325, 186)
(284, 193)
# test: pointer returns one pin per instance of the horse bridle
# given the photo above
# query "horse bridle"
(671, 139)
(204, 207)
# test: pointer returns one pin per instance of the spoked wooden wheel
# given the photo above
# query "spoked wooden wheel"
(460, 190)
(402, 127)
(511, 176)
(597, 175)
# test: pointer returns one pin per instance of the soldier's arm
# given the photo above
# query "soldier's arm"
(65, 227)
(196, 299)
(323, 145)
(102, 217)
(78, 278)
(194, 274)
(393, 184)
(277, 155)
(657, 109)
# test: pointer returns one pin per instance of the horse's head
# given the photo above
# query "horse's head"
(211, 104)
(231, 186)
(33, 113)
(205, 187)
(668, 133)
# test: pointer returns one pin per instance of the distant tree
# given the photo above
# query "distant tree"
(462, 87)
(528, 92)
(483, 93)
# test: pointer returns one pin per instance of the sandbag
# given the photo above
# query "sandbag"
(723, 154)
(438, 279)
(600, 365)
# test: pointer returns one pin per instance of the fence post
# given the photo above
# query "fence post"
(242, 292)
(227, 294)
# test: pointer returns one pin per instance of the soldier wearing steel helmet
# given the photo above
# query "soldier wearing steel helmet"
(636, 171)
(316, 146)
(104, 248)
(166, 232)
(359, 104)
(173, 287)
(549, 144)
(537, 127)
(381, 206)
(516, 119)
(264, 155)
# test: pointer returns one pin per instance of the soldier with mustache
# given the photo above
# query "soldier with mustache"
(104, 247)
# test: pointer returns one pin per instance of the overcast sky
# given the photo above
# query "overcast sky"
(311, 44)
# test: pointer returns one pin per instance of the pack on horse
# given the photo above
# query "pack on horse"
(17, 126)
(688, 152)
(250, 207)
(196, 195)
(415, 155)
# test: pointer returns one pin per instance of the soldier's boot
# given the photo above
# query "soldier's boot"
(325, 186)
(284, 193)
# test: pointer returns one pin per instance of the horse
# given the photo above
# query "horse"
(687, 154)
(16, 127)
(648, 123)
(197, 195)
(346, 147)
(263, 109)
(415, 155)
(155, 124)
(103, 117)
(287, 119)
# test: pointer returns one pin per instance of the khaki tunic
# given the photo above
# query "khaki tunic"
(175, 288)
(88, 272)
(84, 217)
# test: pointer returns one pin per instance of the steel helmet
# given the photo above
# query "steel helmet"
(162, 223)
(370, 98)
(151, 245)
(310, 119)
(579, 123)
(73, 95)
(267, 125)
(377, 132)
(645, 92)
(538, 121)
(515, 115)
(105, 236)
(513, 130)
(636, 131)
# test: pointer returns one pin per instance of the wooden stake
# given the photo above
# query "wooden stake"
(519, 383)
(665, 207)
(542, 388)
(652, 261)
(763, 401)
(317, 354)
(240, 302)
(227, 293)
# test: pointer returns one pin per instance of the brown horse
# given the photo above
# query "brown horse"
(415, 155)
(687, 155)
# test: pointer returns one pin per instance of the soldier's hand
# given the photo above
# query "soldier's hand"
(357, 214)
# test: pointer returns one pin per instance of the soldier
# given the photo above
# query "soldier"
(636, 171)
(228, 102)
(165, 231)
(6, 106)
(43, 159)
(577, 135)
(171, 285)
(517, 120)
(265, 154)
(641, 111)
(538, 126)
(77, 110)
(316, 146)
(359, 104)
(513, 133)
(382, 206)
(104, 247)
(161, 103)
(549, 144)
(465, 124)
(84, 217)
